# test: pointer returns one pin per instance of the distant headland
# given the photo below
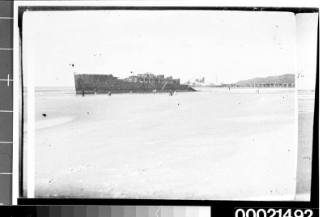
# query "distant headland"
(285, 80)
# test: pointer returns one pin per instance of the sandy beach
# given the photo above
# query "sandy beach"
(212, 144)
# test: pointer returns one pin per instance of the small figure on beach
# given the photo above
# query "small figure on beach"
(154, 91)
(109, 93)
(83, 93)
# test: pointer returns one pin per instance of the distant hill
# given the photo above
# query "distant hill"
(279, 80)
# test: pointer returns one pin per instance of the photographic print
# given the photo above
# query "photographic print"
(167, 104)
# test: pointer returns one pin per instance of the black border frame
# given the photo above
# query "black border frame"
(217, 206)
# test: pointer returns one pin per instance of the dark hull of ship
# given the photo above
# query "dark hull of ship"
(104, 84)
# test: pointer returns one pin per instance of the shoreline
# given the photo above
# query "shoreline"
(52, 122)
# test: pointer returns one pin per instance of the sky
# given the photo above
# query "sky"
(222, 46)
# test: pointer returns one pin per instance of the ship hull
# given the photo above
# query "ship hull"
(103, 84)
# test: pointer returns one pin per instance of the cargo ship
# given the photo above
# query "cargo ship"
(141, 83)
